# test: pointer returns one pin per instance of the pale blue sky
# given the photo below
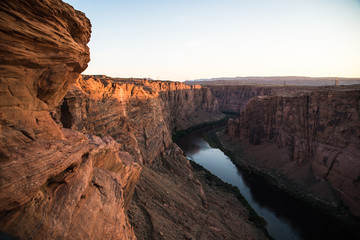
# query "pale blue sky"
(190, 39)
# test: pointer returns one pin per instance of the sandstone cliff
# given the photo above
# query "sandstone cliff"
(139, 114)
(54, 183)
(170, 201)
(317, 137)
(68, 166)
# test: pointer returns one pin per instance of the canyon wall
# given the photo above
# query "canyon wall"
(316, 128)
(171, 201)
(54, 183)
(69, 167)
(139, 114)
(233, 99)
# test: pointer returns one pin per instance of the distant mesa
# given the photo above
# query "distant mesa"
(278, 80)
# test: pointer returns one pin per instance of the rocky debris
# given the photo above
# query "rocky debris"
(318, 128)
(139, 114)
(54, 183)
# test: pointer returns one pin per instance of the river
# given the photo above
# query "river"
(286, 217)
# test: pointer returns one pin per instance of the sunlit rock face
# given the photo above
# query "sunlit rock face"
(139, 114)
(43, 50)
(54, 183)
(318, 127)
(170, 200)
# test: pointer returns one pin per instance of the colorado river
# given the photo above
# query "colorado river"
(286, 217)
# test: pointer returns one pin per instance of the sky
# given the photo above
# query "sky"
(191, 39)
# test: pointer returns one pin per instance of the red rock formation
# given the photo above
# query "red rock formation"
(320, 128)
(57, 183)
(170, 201)
(42, 51)
(54, 183)
(139, 114)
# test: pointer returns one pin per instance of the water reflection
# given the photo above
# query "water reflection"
(286, 217)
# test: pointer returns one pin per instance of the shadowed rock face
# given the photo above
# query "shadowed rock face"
(234, 98)
(54, 183)
(320, 128)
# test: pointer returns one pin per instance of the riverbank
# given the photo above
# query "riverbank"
(174, 200)
(241, 156)
(212, 183)
(216, 184)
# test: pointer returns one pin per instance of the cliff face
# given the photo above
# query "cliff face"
(316, 128)
(54, 183)
(43, 50)
(234, 98)
(139, 114)
(170, 200)
(68, 171)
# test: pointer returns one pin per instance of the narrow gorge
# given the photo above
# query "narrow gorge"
(305, 138)
(93, 157)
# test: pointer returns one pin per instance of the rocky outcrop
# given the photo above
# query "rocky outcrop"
(54, 183)
(42, 50)
(139, 114)
(316, 128)
(76, 188)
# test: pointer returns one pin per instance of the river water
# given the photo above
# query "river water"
(286, 217)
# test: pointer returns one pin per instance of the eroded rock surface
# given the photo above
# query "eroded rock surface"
(42, 50)
(316, 133)
(170, 201)
(54, 183)
(139, 114)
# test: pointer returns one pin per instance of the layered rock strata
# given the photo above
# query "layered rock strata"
(72, 174)
(170, 202)
(54, 183)
(139, 114)
(234, 98)
(43, 50)
(316, 134)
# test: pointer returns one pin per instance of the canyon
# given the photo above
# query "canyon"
(305, 138)
(93, 157)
